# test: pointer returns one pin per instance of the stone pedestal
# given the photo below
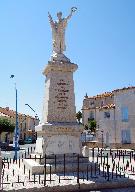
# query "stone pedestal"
(58, 138)
(59, 133)
(59, 100)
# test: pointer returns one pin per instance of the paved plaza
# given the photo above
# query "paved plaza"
(16, 176)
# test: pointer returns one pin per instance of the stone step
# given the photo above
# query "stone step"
(60, 159)
(36, 168)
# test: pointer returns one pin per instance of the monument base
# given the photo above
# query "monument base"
(67, 163)
(58, 138)
(58, 146)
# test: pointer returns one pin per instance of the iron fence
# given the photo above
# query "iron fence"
(101, 165)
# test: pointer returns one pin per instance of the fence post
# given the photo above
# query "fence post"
(0, 169)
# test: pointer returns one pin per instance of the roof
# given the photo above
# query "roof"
(124, 88)
(106, 94)
(3, 115)
(11, 113)
(108, 106)
(109, 94)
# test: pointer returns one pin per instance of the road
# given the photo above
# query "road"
(130, 189)
(10, 154)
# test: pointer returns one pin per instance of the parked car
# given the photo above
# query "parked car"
(34, 140)
(6, 147)
(28, 140)
(21, 142)
(3, 145)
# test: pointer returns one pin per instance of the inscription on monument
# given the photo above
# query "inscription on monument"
(62, 144)
(62, 94)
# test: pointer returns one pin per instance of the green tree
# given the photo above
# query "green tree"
(86, 127)
(79, 116)
(92, 125)
(6, 126)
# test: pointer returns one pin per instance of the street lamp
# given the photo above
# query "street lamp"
(36, 116)
(16, 124)
(30, 107)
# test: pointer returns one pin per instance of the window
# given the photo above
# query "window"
(107, 114)
(124, 113)
(91, 115)
(92, 103)
(126, 137)
(102, 103)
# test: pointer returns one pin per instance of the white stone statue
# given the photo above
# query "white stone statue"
(58, 31)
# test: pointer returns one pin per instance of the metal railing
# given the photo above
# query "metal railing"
(72, 167)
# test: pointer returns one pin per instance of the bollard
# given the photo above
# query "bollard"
(85, 151)
(28, 151)
(0, 168)
(123, 158)
(93, 154)
(107, 158)
(99, 169)
(101, 157)
(64, 165)
(87, 172)
(97, 159)
(130, 156)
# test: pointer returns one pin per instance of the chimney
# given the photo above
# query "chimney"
(7, 108)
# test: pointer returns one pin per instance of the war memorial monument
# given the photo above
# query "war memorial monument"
(59, 132)
(59, 163)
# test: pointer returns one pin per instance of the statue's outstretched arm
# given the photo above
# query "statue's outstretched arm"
(51, 20)
(73, 9)
(69, 16)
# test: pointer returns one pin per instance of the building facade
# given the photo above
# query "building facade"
(114, 113)
(26, 123)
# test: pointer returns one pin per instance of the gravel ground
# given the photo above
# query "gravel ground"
(18, 174)
(13, 174)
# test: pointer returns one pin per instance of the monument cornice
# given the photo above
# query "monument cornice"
(60, 66)
(57, 128)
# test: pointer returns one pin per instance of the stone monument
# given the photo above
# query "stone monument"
(59, 132)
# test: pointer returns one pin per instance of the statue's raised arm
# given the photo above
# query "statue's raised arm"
(51, 20)
(73, 9)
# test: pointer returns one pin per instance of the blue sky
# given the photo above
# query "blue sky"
(100, 38)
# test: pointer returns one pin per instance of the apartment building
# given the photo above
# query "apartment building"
(26, 123)
(114, 113)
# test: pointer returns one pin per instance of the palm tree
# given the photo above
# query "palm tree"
(79, 116)
(6, 126)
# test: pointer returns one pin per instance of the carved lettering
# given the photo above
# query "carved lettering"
(62, 94)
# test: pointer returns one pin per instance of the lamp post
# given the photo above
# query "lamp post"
(36, 116)
(16, 123)
(30, 107)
